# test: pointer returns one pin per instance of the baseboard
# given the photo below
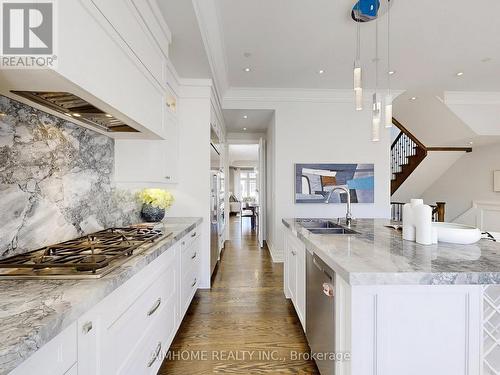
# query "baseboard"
(276, 256)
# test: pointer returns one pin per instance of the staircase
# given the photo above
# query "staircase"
(407, 152)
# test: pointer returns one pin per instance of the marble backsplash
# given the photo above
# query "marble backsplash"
(56, 180)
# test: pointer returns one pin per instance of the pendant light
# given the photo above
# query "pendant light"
(357, 73)
(376, 106)
(388, 99)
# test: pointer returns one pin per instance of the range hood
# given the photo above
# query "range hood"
(72, 106)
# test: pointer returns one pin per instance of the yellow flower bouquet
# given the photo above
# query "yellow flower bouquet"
(154, 203)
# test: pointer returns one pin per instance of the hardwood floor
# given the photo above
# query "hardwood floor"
(244, 324)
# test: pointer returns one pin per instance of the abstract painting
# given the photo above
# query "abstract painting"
(313, 182)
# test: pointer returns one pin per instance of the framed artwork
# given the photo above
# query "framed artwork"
(496, 181)
(313, 182)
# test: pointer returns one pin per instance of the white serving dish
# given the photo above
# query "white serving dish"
(457, 233)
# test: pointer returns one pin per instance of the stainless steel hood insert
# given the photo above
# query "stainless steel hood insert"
(72, 106)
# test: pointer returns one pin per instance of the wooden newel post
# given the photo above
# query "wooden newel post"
(440, 211)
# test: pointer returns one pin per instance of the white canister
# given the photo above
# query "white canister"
(423, 223)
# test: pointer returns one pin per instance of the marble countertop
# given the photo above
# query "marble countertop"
(378, 255)
(32, 312)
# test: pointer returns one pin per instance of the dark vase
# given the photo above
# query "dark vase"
(151, 214)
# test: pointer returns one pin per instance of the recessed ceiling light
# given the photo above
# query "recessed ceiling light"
(108, 115)
(471, 143)
(245, 117)
(77, 115)
(2, 114)
(413, 98)
(247, 69)
(321, 71)
(68, 114)
(391, 72)
(244, 128)
(460, 74)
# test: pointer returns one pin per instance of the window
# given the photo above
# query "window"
(248, 185)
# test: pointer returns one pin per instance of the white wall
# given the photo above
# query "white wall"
(435, 164)
(322, 130)
(270, 183)
(192, 193)
(470, 178)
(430, 120)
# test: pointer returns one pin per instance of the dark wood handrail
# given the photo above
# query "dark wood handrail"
(407, 132)
(466, 149)
(415, 139)
(397, 139)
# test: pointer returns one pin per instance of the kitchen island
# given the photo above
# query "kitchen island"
(36, 314)
(401, 307)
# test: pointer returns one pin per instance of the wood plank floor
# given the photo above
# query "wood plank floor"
(244, 324)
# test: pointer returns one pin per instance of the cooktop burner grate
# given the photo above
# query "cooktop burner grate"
(93, 255)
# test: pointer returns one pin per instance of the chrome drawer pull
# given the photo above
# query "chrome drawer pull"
(87, 327)
(194, 256)
(194, 282)
(155, 307)
(155, 356)
(194, 234)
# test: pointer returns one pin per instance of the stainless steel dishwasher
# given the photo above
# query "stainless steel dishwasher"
(320, 312)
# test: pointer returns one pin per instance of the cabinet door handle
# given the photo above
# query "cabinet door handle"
(155, 355)
(194, 256)
(155, 307)
(194, 282)
(167, 177)
(183, 243)
(194, 234)
(87, 327)
(294, 253)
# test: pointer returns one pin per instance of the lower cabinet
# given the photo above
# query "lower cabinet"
(295, 274)
(130, 331)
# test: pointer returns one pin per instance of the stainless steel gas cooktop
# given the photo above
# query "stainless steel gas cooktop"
(90, 256)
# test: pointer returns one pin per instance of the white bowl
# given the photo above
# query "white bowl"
(457, 233)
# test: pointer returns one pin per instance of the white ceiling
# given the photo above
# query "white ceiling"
(186, 51)
(257, 120)
(243, 155)
(290, 40)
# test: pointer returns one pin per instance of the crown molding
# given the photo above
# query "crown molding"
(266, 94)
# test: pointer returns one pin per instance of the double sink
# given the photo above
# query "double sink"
(319, 226)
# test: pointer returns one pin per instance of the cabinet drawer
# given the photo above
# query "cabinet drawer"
(189, 286)
(121, 337)
(189, 238)
(190, 258)
(149, 352)
(54, 358)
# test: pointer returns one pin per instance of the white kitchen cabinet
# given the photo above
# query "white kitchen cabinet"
(131, 329)
(295, 274)
(149, 161)
(90, 48)
(190, 269)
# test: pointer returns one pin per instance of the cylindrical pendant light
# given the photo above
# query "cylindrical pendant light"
(357, 72)
(376, 117)
(376, 105)
(388, 99)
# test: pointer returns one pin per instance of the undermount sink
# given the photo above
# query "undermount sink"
(338, 230)
(325, 227)
(319, 224)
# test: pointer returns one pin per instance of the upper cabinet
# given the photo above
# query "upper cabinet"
(112, 54)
